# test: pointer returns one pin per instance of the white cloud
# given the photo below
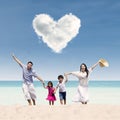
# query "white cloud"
(56, 34)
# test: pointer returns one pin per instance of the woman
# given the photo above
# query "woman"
(82, 90)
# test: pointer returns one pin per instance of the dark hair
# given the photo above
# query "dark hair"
(60, 76)
(50, 82)
(86, 69)
(30, 62)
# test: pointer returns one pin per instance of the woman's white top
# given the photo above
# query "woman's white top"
(82, 76)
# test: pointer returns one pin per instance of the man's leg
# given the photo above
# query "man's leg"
(27, 94)
(32, 94)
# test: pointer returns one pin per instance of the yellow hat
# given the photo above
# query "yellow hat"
(103, 63)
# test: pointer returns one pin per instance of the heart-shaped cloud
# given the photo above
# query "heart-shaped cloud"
(56, 34)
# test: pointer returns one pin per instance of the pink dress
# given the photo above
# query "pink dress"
(51, 95)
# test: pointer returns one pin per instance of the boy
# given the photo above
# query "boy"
(62, 88)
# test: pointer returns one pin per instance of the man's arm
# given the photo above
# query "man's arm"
(17, 60)
(39, 78)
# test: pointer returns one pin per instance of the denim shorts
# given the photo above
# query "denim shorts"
(62, 95)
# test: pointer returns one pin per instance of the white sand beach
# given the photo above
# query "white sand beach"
(68, 112)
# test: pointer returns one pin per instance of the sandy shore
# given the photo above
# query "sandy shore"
(68, 112)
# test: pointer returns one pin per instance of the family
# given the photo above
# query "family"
(82, 90)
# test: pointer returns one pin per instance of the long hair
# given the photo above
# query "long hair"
(86, 69)
(50, 82)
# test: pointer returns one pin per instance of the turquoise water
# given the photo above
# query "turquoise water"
(69, 83)
(100, 92)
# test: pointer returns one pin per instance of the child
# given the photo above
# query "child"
(51, 96)
(62, 88)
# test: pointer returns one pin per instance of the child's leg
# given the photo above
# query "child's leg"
(49, 102)
(61, 101)
(52, 102)
(65, 102)
(64, 97)
(61, 97)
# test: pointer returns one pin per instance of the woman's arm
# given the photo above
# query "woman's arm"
(75, 73)
(69, 73)
(95, 65)
(66, 77)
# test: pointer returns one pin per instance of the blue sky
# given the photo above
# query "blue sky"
(98, 37)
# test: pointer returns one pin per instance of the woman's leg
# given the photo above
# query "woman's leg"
(29, 102)
(34, 103)
(84, 102)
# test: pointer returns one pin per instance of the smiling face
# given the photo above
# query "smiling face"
(83, 68)
(60, 80)
(29, 65)
(50, 84)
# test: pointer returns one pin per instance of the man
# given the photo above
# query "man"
(28, 87)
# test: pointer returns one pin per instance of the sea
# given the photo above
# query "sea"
(100, 92)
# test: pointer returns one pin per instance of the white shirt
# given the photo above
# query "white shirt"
(62, 87)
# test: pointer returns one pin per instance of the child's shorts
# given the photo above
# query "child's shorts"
(62, 95)
(29, 91)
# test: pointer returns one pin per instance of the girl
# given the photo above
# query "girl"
(51, 96)
(82, 75)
